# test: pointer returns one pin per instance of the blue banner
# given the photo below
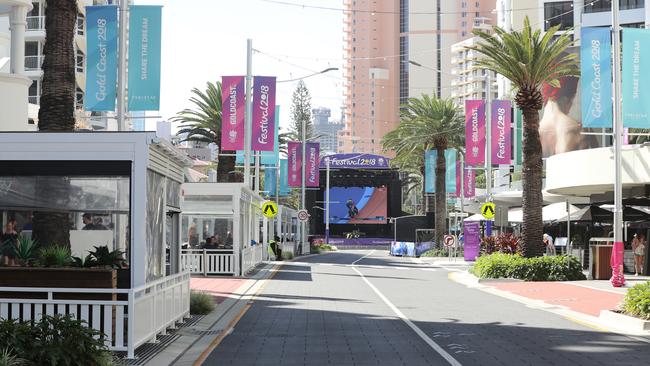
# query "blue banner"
(636, 83)
(268, 158)
(284, 177)
(144, 57)
(101, 60)
(270, 181)
(430, 171)
(596, 77)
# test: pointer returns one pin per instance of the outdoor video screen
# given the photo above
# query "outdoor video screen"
(358, 205)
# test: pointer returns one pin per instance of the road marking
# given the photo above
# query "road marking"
(364, 257)
(452, 361)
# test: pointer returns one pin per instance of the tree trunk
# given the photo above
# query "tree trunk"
(532, 228)
(56, 111)
(441, 196)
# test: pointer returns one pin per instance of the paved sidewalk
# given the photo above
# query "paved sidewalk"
(582, 299)
(220, 287)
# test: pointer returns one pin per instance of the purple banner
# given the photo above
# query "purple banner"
(233, 106)
(472, 240)
(469, 183)
(356, 161)
(360, 241)
(263, 113)
(294, 154)
(501, 132)
(312, 155)
(475, 132)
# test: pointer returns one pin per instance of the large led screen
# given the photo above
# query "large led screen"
(358, 205)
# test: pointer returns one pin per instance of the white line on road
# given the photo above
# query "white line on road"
(452, 361)
(365, 256)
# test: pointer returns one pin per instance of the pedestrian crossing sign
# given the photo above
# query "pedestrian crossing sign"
(488, 210)
(269, 209)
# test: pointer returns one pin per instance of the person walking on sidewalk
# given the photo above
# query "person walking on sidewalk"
(638, 247)
(550, 246)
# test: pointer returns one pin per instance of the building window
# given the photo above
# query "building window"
(80, 63)
(591, 6)
(34, 92)
(80, 98)
(81, 20)
(560, 13)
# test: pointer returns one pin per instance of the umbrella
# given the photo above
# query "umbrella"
(516, 215)
(557, 210)
(583, 214)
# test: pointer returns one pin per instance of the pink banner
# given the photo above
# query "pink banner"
(263, 113)
(312, 155)
(501, 132)
(294, 153)
(469, 183)
(233, 106)
(475, 132)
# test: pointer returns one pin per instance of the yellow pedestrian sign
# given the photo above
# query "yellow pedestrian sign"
(269, 209)
(488, 210)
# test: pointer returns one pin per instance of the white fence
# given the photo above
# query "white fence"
(252, 256)
(208, 261)
(154, 307)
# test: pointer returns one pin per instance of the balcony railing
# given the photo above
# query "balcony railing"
(34, 99)
(36, 23)
(33, 62)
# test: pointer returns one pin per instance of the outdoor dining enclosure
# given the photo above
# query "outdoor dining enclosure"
(115, 193)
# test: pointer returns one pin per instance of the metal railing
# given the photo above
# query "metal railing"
(251, 257)
(36, 23)
(208, 261)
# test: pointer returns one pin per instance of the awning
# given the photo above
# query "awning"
(552, 212)
(476, 217)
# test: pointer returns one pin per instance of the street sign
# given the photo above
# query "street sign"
(488, 210)
(303, 215)
(449, 241)
(269, 209)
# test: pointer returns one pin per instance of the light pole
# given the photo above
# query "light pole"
(488, 137)
(618, 139)
(327, 200)
(249, 111)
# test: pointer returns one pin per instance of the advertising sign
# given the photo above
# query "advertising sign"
(472, 240)
(263, 113)
(636, 82)
(312, 174)
(101, 60)
(144, 57)
(501, 132)
(475, 132)
(233, 107)
(596, 74)
(294, 153)
(357, 161)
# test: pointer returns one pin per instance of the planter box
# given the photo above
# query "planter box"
(58, 278)
(623, 321)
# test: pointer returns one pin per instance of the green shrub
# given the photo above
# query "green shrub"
(55, 256)
(25, 250)
(106, 258)
(55, 340)
(504, 243)
(549, 268)
(9, 358)
(287, 255)
(637, 301)
(201, 303)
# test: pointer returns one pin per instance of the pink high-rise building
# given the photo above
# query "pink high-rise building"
(395, 50)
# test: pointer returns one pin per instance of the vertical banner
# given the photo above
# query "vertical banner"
(101, 62)
(596, 77)
(430, 158)
(263, 113)
(271, 157)
(636, 83)
(144, 57)
(270, 180)
(501, 132)
(430, 171)
(472, 239)
(450, 172)
(519, 128)
(475, 132)
(469, 183)
(284, 178)
(233, 107)
(459, 172)
(312, 154)
(294, 153)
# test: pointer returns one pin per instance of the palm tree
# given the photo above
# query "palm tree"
(427, 123)
(56, 111)
(529, 59)
(203, 124)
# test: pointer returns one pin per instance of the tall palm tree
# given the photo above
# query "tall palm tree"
(56, 111)
(203, 124)
(529, 59)
(428, 123)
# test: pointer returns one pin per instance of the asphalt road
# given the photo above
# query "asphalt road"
(367, 308)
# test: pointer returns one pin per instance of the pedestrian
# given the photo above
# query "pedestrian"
(8, 242)
(638, 247)
(550, 246)
(88, 222)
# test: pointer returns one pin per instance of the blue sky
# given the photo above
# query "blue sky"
(205, 39)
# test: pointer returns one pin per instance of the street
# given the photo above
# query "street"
(365, 307)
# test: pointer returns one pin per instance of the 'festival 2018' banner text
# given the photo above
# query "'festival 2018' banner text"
(475, 132)
(312, 174)
(144, 57)
(233, 107)
(501, 132)
(263, 113)
(101, 62)
(596, 77)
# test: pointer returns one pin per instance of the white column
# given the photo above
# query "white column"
(17, 25)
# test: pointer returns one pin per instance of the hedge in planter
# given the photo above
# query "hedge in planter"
(637, 301)
(549, 268)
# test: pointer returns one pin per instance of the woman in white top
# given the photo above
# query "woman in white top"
(638, 247)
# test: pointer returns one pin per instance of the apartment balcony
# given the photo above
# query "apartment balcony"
(34, 99)
(33, 63)
(36, 23)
